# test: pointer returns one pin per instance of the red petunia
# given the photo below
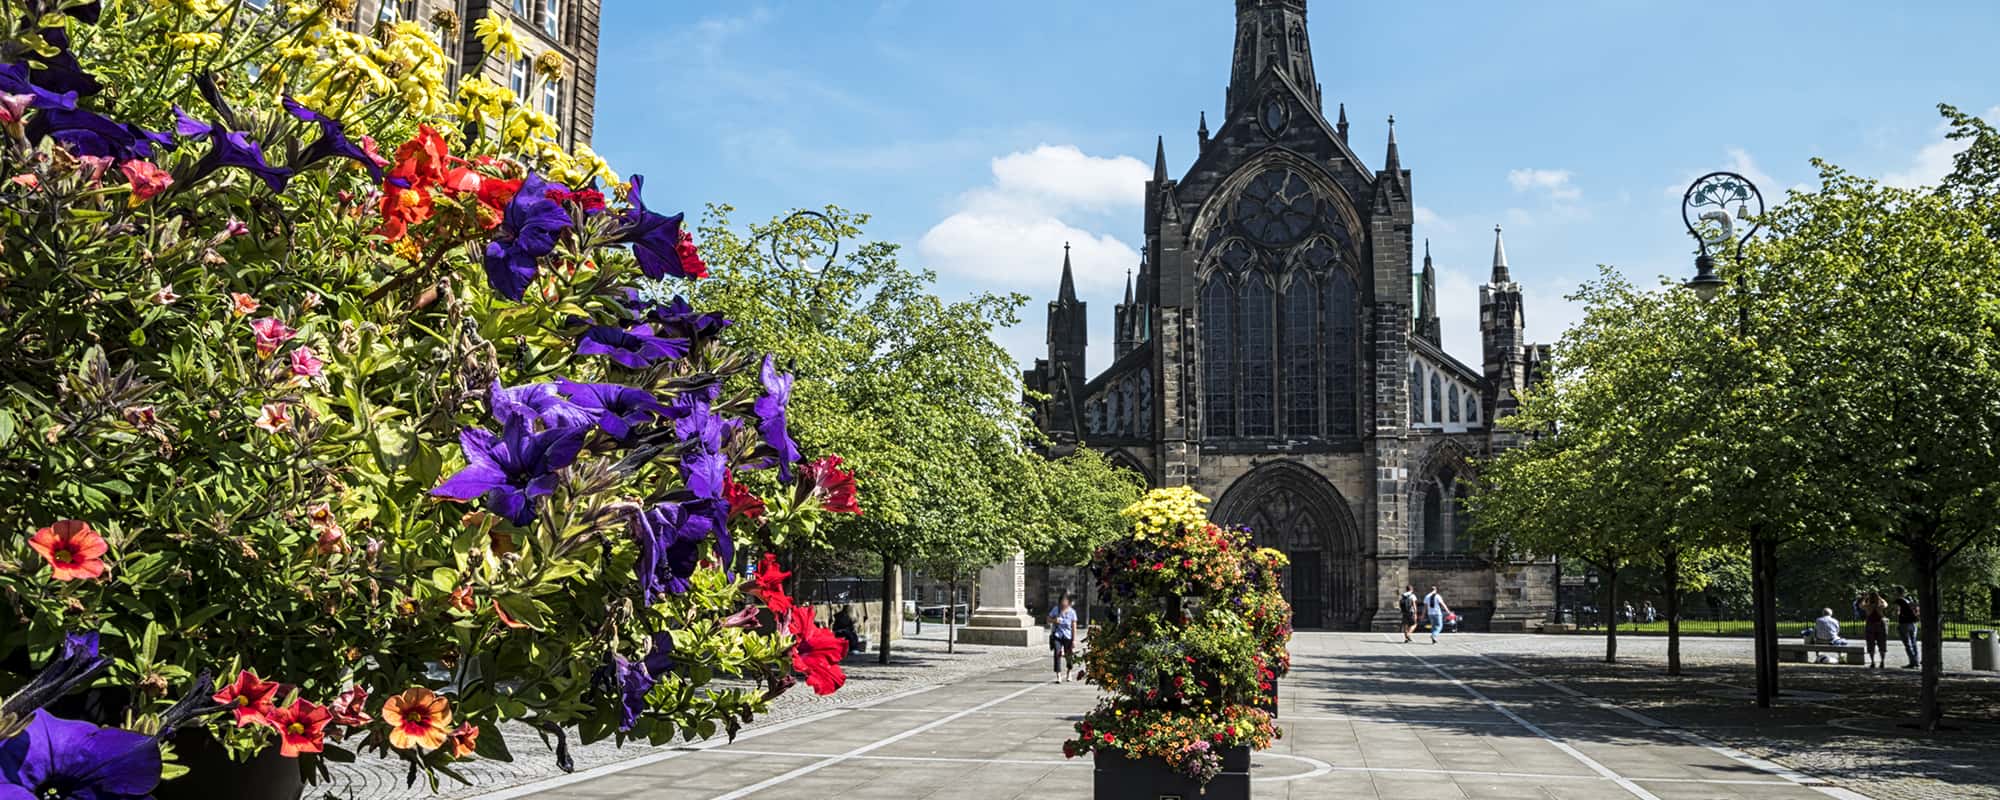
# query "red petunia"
(301, 728)
(742, 503)
(424, 159)
(832, 486)
(251, 698)
(771, 585)
(691, 262)
(351, 707)
(816, 652)
(72, 549)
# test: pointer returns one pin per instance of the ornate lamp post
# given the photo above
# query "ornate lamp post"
(1722, 209)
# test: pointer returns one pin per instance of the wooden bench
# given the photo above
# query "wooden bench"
(1800, 652)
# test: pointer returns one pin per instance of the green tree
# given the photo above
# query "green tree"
(1889, 300)
(912, 390)
(1075, 502)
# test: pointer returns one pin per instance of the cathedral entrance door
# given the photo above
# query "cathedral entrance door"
(1308, 586)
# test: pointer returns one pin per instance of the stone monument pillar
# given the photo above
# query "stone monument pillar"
(1001, 617)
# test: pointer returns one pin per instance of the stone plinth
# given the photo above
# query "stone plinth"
(1001, 618)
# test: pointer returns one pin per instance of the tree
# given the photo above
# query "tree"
(1889, 300)
(1076, 500)
(911, 389)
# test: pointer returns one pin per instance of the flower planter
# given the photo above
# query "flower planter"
(1120, 777)
(1268, 701)
(212, 776)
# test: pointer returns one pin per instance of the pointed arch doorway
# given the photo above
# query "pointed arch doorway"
(1291, 509)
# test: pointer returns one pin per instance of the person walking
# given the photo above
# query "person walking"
(1907, 617)
(1436, 609)
(1875, 629)
(1062, 636)
(1652, 614)
(1407, 604)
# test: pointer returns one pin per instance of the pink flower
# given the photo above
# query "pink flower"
(234, 228)
(368, 147)
(271, 334)
(14, 106)
(242, 305)
(95, 166)
(27, 179)
(164, 296)
(147, 180)
(274, 418)
(304, 364)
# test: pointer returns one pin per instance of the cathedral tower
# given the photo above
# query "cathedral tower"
(1501, 336)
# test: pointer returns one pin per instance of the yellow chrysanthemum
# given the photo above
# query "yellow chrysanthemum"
(207, 40)
(497, 35)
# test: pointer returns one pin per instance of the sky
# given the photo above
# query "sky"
(982, 136)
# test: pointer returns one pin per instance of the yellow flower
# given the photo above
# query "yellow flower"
(195, 41)
(497, 35)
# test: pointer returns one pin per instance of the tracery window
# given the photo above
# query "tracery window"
(1343, 342)
(1471, 407)
(1257, 357)
(1433, 518)
(1218, 391)
(1437, 398)
(1416, 393)
(1451, 403)
(1301, 349)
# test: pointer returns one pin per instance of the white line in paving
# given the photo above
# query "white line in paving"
(1318, 767)
(1731, 753)
(559, 781)
(877, 744)
(1623, 783)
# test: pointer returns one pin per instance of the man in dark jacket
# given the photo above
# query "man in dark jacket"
(1906, 625)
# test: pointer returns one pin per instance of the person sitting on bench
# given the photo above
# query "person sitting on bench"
(1826, 629)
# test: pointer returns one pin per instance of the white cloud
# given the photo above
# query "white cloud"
(1553, 182)
(1935, 160)
(1432, 222)
(1012, 231)
(1741, 163)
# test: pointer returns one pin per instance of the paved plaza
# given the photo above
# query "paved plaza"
(1479, 716)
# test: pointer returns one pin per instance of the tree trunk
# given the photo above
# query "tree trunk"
(1611, 617)
(951, 615)
(889, 616)
(1763, 625)
(1930, 631)
(1770, 581)
(1673, 567)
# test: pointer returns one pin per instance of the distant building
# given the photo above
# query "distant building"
(567, 28)
(1281, 353)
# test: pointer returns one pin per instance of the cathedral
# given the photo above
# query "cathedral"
(1281, 354)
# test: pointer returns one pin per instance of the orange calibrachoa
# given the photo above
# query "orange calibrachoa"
(73, 550)
(464, 739)
(301, 727)
(417, 718)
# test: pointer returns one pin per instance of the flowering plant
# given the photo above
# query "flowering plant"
(409, 438)
(1189, 653)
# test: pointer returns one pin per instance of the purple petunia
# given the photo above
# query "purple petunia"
(234, 149)
(677, 318)
(633, 348)
(669, 536)
(617, 407)
(631, 680)
(770, 410)
(14, 79)
(61, 72)
(528, 231)
(87, 133)
(655, 238)
(510, 470)
(537, 402)
(332, 141)
(56, 757)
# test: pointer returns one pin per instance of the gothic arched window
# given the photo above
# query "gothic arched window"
(1301, 349)
(1416, 393)
(1218, 390)
(1432, 536)
(1451, 403)
(1471, 407)
(1437, 398)
(1257, 356)
(1343, 341)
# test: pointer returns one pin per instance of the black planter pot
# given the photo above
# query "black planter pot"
(1122, 778)
(212, 776)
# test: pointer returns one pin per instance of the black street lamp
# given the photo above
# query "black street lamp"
(1716, 207)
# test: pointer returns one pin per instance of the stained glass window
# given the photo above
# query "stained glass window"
(1343, 340)
(1451, 403)
(1301, 349)
(1471, 407)
(1257, 356)
(1416, 393)
(1437, 398)
(1430, 538)
(1218, 390)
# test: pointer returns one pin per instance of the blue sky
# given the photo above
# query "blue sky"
(982, 135)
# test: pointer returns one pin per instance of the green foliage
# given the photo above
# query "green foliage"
(1073, 505)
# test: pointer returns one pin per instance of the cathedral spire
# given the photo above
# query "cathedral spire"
(1499, 258)
(1202, 132)
(1341, 128)
(1393, 164)
(1128, 287)
(1066, 294)
(1271, 34)
(1160, 163)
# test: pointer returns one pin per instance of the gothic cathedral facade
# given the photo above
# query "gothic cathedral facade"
(1280, 354)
